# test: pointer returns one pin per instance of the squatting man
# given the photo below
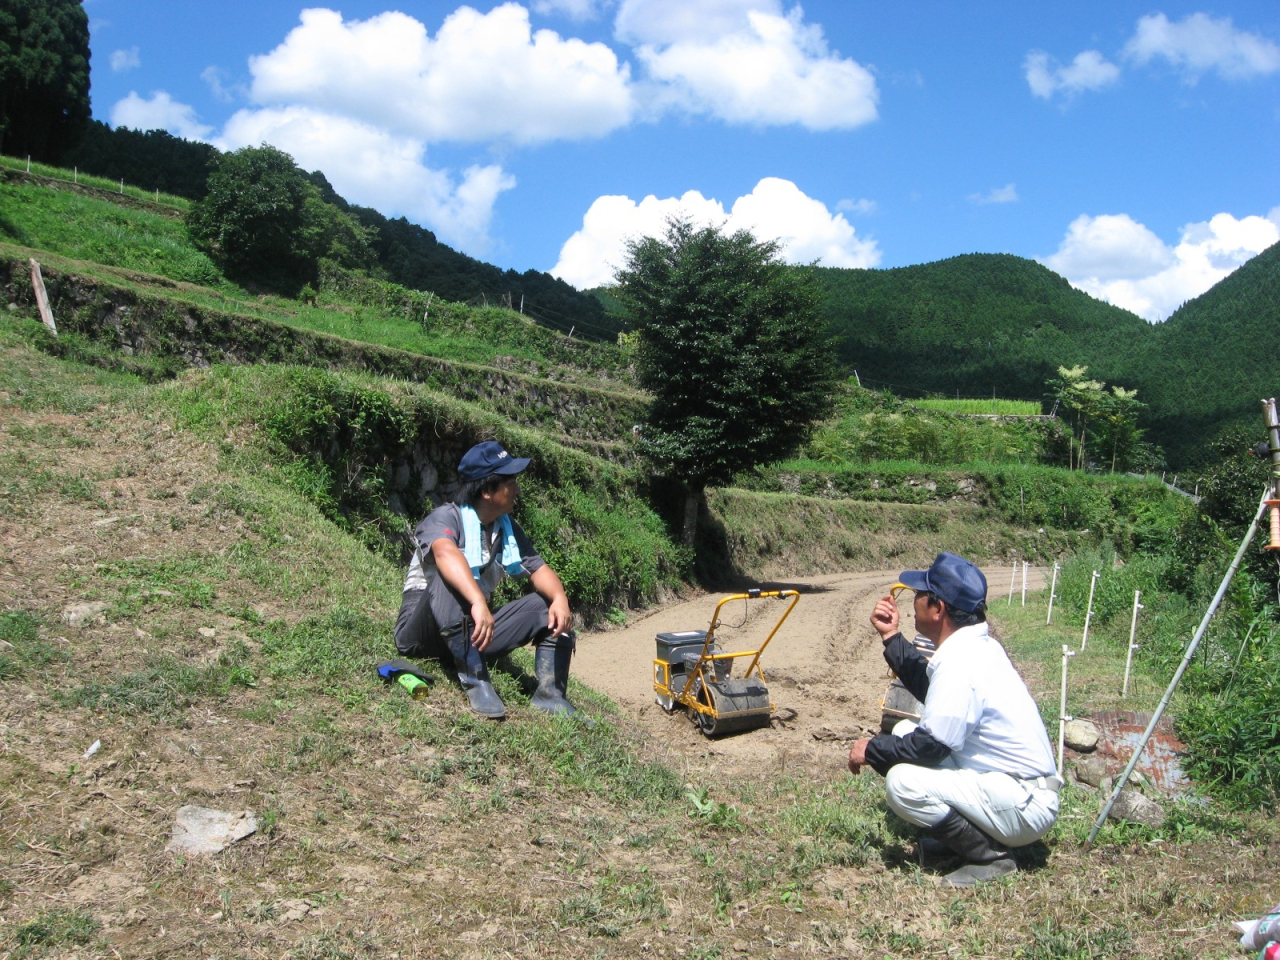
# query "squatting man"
(463, 550)
(976, 774)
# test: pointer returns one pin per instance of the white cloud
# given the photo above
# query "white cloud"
(577, 10)
(483, 77)
(1006, 194)
(214, 79)
(775, 209)
(374, 168)
(744, 61)
(122, 60)
(161, 112)
(1116, 259)
(662, 22)
(1198, 44)
(1090, 70)
(778, 209)
(861, 206)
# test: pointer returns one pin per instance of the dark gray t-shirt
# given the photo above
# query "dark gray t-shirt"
(445, 522)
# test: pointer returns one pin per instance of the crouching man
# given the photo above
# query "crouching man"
(463, 551)
(977, 773)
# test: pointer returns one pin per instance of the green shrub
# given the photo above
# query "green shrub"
(1113, 593)
(1235, 741)
(609, 551)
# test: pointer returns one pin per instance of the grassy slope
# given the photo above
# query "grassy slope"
(228, 663)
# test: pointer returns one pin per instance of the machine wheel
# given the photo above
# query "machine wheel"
(707, 724)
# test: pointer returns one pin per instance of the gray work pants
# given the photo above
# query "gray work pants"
(420, 633)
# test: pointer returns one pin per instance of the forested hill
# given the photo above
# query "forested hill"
(407, 253)
(412, 257)
(975, 324)
(1213, 360)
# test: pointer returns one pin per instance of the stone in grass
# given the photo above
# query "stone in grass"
(199, 830)
(1134, 807)
(1091, 770)
(1081, 735)
(84, 614)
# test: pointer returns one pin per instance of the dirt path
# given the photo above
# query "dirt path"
(825, 673)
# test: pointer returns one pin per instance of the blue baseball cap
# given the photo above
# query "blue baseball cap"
(953, 580)
(486, 458)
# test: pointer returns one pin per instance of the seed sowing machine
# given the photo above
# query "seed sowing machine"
(898, 703)
(690, 671)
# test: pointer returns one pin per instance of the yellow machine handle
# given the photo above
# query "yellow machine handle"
(755, 595)
(715, 622)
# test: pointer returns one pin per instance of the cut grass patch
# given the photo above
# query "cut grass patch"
(22, 649)
(164, 688)
(55, 928)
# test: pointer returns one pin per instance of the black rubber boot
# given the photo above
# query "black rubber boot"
(932, 853)
(984, 858)
(474, 677)
(551, 666)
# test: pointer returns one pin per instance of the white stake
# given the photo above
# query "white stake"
(1025, 564)
(1063, 718)
(1089, 614)
(1013, 578)
(1053, 590)
(1133, 632)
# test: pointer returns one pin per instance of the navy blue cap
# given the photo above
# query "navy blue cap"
(489, 457)
(953, 580)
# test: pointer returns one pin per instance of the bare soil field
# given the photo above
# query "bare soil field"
(824, 670)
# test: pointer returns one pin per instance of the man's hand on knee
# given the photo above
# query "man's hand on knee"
(482, 632)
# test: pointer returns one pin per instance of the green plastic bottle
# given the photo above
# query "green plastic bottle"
(416, 687)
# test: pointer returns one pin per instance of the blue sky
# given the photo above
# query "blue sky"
(1134, 149)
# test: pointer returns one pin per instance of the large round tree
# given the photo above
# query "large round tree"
(44, 77)
(732, 347)
(264, 220)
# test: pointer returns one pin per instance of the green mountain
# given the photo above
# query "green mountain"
(974, 325)
(1208, 366)
(984, 325)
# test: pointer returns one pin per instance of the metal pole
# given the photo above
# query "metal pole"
(1052, 592)
(1133, 632)
(1025, 564)
(1182, 667)
(1063, 717)
(1273, 436)
(1013, 578)
(1089, 613)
